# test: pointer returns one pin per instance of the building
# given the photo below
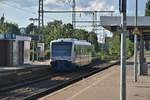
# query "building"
(14, 50)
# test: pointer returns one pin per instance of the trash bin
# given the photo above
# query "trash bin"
(145, 68)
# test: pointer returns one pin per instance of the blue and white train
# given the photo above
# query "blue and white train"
(66, 54)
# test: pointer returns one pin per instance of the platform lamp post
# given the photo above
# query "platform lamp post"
(33, 20)
(122, 9)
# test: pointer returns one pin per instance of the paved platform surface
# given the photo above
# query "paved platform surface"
(105, 86)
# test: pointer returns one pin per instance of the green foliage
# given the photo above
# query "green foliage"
(6, 27)
(9, 28)
(112, 48)
(31, 29)
(129, 47)
(92, 37)
(53, 30)
(101, 56)
(147, 9)
(114, 45)
(56, 29)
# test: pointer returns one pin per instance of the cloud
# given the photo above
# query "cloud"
(26, 3)
(21, 3)
(104, 5)
(3, 0)
(95, 5)
(66, 4)
(46, 2)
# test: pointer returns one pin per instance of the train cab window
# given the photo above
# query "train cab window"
(61, 49)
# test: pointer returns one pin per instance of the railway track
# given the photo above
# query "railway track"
(49, 84)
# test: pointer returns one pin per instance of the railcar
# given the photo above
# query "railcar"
(68, 54)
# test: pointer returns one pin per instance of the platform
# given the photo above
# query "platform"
(13, 75)
(105, 86)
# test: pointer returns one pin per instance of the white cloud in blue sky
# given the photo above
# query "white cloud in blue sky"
(14, 12)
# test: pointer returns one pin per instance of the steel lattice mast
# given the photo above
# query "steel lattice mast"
(41, 14)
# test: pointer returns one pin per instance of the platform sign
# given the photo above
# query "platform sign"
(10, 36)
(35, 37)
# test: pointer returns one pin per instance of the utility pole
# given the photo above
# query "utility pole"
(93, 24)
(41, 14)
(33, 21)
(41, 19)
(135, 43)
(94, 21)
(122, 8)
(74, 14)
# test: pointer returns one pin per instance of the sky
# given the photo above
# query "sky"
(19, 11)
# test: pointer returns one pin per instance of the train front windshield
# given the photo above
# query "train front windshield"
(61, 49)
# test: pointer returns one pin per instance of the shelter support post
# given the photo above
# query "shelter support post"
(135, 58)
(141, 56)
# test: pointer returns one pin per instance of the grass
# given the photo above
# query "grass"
(147, 52)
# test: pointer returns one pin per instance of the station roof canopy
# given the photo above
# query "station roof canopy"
(111, 23)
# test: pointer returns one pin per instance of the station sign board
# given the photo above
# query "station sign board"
(8, 36)
(23, 38)
(34, 37)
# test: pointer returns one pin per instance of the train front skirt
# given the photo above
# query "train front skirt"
(62, 66)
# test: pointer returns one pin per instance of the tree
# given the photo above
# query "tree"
(29, 28)
(129, 47)
(68, 30)
(6, 27)
(53, 30)
(147, 9)
(114, 45)
(9, 28)
(2, 19)
(93, 39)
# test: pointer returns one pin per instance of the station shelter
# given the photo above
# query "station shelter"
(113, 24)
(14, 50)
